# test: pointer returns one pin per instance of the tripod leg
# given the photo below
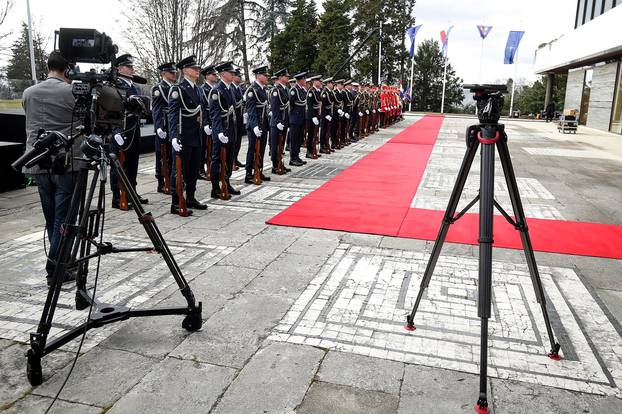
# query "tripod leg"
(487, 182)
(193, 319)
(63, 258)
(467, 161)
(521, 224)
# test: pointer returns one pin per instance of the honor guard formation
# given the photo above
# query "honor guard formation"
(199, 125)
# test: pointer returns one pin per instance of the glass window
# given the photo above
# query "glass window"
(598, 8)
(616, 116)
(580, 13)
(589, 8)
(610, 4)
(585, 99)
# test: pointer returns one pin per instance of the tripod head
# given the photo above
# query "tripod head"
(488, 100)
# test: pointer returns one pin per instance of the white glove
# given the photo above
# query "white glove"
(315, 120)
(360, 114)
(270, 114)
(329, 118)
(245, 117)
(119, 139)
(340, 112)
(161, 133)
(347, 116)
(207, 130)
(373, 110)
(280, 126)
(367, 111)
(223, 138)
(176, 145)
(257, 131)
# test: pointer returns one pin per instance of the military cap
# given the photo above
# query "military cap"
(208, 70)
(225, 67)
(261, 70)
(125, 60)
(355, 84)
(316, 77)
(237, 72)
(340, 81)
(282, 72)
(272, 78)
(291, 81)
(348, 82)
(327, 80)
(188, 62)
(300, 75)
(167, 67)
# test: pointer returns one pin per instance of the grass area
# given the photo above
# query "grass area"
(10, 103)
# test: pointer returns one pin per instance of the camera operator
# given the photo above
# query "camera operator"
(49, 106)
(127, 140)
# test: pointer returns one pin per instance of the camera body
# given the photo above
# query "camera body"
(489, 101)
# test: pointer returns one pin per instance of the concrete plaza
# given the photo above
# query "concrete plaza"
(311, 321)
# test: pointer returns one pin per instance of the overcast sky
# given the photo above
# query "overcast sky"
(542, 21)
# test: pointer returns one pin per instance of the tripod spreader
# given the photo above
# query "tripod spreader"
(490, 136)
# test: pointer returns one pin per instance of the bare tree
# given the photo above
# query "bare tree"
(166, 31)
(5, 8)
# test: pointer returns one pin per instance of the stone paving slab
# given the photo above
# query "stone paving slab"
(330, 398)
(275, 380)
(176, 386)
(100, 377)
(33, 404)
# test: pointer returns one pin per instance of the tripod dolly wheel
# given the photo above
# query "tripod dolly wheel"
(33, 368)
(193, 322)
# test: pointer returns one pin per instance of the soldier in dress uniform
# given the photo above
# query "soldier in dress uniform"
(222, 114)
(258, 122)
(337, 115)
(328, 100)
(127, 139)
(297, 109)
(313, 116)
(355, 112)
(185, 124)
(159, 113)
(211, 79)
(348, 103)
(239, 116)
(279, 103)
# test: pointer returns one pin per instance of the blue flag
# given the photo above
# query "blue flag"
(512, 46)
(412, 32)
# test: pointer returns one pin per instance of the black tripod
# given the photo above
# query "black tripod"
(490, 134)
(74, 253)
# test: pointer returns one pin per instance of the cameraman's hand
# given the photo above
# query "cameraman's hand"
(257, 131)
(207, 130)
(176, 144)
(223, 138)
(119, 139)
(161, 133)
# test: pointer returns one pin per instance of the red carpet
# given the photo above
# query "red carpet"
(374, 196)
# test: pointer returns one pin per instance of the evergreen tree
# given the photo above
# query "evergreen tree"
(396, 17)
(296, 46)
(428, 80)
(18, 69)
(335, 35)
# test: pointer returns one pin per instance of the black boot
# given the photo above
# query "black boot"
(160, 188)
(192, 202)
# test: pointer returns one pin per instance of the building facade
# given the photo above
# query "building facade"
(591, 56)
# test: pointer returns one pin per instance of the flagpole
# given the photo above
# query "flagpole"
(33, 69)
(380, 54)
(481, 59)
(410, 92)
(514, 82)
(444, 80)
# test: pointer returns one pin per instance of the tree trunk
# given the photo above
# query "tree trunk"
(243, 41)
